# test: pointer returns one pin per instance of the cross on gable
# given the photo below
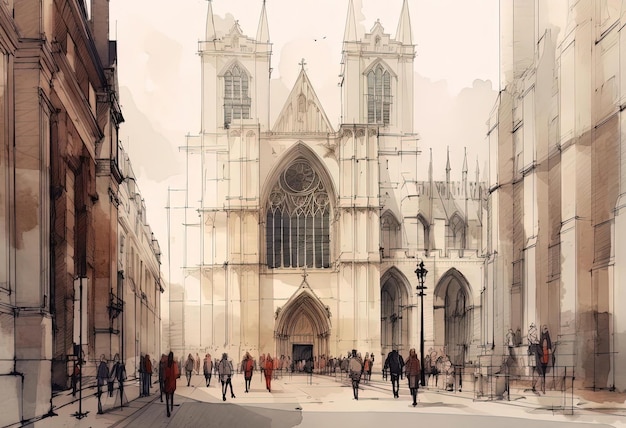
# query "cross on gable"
(304, 283)
(302, 63)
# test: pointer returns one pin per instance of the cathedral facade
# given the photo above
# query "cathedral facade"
(301, 237)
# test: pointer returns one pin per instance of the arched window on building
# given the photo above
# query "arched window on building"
(423, 233)
(456, 232)
(389, 233)
(378, 95)
(236, 99)
(298, 219)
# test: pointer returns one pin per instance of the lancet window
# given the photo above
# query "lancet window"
(456, 233)
(378, 95)
(298, 219)
(236, 99)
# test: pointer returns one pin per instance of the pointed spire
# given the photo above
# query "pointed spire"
(448, 174)
(477, 171)
(464, 171)
(430, 166)
(263, 32)
(210, 24)
(350, 32)
(465, 161)
(403, 34)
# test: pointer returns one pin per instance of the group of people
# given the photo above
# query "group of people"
(397, 367)
(394, 364)
(439, 369)
(358, 369)
(107, 376)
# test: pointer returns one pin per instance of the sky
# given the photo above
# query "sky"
(456, 78)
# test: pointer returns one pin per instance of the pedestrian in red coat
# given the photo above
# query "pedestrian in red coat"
(171, 374)
(269, 368)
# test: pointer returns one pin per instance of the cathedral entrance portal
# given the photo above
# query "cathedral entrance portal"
(394, 322)
(302, 326)
(452, 312)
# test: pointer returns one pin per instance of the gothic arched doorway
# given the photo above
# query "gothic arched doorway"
(452, 313)
(394, 322)
(302, 326)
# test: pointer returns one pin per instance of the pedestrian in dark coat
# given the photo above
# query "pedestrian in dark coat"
(247, 367)
(355, 369)
(75, 377)
(225, 369)
(189, 364)
(207, 368)
(394, 363)
(413, 371)
(102, 378)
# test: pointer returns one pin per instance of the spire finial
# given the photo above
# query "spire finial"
(403, 33)
(302, 64)
(349, 34)
(210, 34)
(263, 32)
(465, 161)
(430, 166)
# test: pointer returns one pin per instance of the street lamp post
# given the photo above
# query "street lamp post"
(421, 275)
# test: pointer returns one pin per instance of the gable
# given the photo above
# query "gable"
(302, 111)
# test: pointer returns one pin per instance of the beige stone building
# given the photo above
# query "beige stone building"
(60, 174)
(136, 295)
(301, 237)
(557, 180)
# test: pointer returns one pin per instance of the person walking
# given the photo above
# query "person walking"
(262, 366)
(142, 371)
(162, 366)
(119, 374)
(413, 371)
(394, 364)
(207, 368)
(355, 369)
(247, 367)
(102, 378)
(147, 376)
(171, 374)
(268, 369)
(367, 366)
(189, 368)
(225, 370)
(75, 377)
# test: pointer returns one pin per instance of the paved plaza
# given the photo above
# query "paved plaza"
(326, 401)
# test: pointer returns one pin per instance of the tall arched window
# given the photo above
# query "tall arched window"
(236, 100)
(378, 95)
(456, 233)
(389, 233)
(298, 219)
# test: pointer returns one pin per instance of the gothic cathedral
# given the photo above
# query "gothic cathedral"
(302, 236)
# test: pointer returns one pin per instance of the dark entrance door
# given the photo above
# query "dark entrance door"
(301, 352)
